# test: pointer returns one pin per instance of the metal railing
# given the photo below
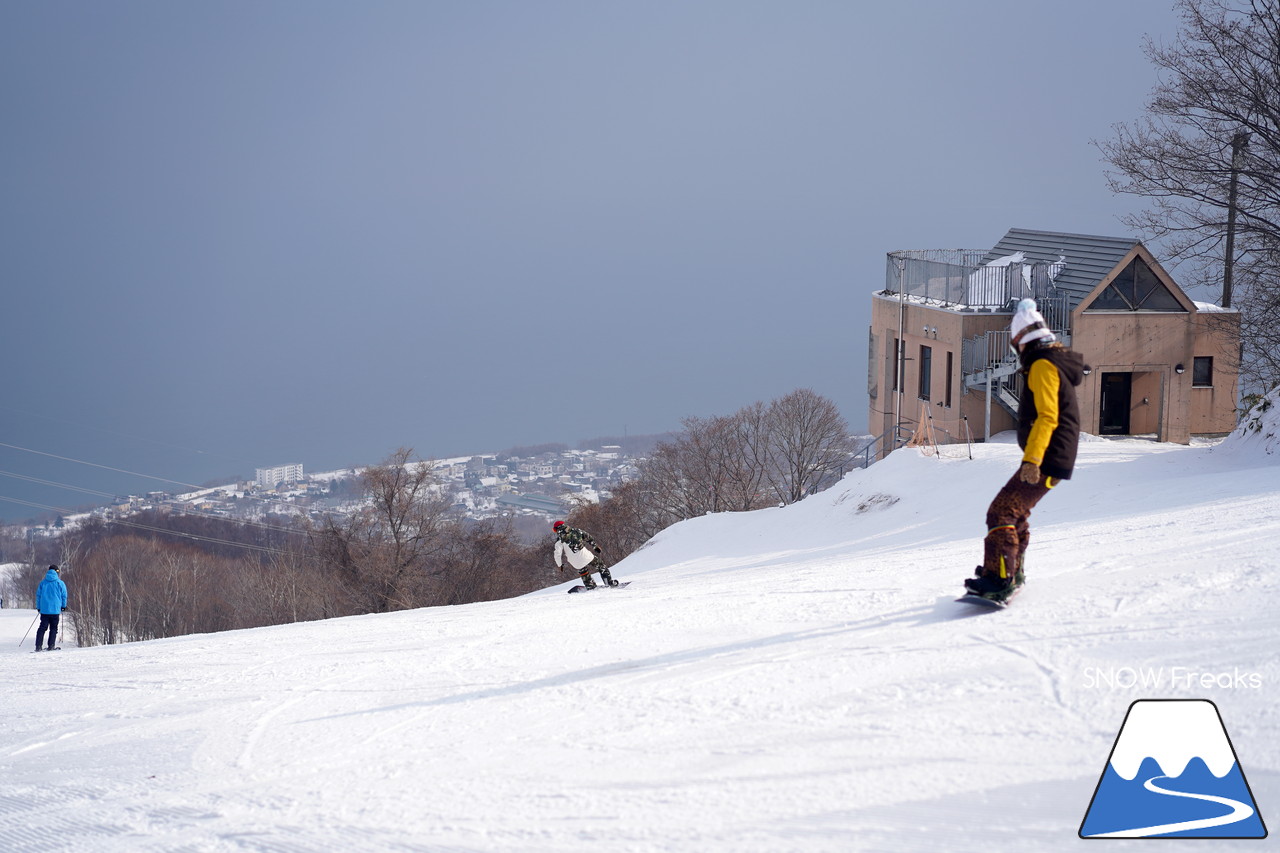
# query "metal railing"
(869, 453)
(958, 277)
(940, 275)
(1056, 310)
(991, 351)
(985, 352)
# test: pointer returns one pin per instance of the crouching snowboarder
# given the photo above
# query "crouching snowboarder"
(582, 553)
(1048, 433)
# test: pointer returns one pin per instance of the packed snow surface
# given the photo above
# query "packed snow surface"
(794, 679)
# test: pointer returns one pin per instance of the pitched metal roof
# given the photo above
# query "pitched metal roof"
(1087, 258)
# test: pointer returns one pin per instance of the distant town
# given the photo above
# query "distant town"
(529, 486)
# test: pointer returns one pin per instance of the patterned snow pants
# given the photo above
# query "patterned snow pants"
(597, 564)
(1007, 529)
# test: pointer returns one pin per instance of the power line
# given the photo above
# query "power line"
(184, 510)
(96, 465)
(63, 510)
(125, 435)
(263, 549)
(192, 486)
(57, 485)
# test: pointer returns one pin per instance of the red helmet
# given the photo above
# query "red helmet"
(557, 525)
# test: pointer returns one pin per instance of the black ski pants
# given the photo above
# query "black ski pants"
(48, 622)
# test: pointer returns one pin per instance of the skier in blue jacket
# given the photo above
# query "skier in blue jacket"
(51, 600)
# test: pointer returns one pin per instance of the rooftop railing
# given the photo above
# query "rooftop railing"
(957, 277)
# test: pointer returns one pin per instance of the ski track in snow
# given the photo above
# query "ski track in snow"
(794, 679)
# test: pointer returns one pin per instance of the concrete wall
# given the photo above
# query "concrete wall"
(919, 325)
(1150, 346)
(1213, 409)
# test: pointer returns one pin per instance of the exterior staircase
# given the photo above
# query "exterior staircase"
(991, 368)
(1003, 379)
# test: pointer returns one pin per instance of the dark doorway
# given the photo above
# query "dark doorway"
(1117, 391)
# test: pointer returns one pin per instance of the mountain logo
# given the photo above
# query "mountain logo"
(1173, 773)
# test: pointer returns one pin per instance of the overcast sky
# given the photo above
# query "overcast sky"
(240, 234)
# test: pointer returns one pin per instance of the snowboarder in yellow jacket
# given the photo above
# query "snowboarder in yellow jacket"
(1048, 433)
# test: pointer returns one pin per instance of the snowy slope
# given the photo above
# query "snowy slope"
(790, 679)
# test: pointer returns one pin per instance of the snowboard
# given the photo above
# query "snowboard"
(979, 601)
(970, 598)
(581, 588)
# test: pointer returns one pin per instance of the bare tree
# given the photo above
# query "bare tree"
(286, 589)
(670, 491)
(108, 590)
(1209, 147)
(718, 464)
(481, 561)
(720, 457)
(624, 522)
(756, 457)
(810, 444)
(381, 553)
(748, 432)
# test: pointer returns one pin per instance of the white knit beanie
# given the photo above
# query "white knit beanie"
(1028, 325)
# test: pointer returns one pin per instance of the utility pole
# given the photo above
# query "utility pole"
(1238, 143)
(900, 352)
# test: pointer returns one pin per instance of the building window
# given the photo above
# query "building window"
(873, 385)
(1136, 288)
(926, 371)
(1202, 372)
(950, 371)
(896, 355)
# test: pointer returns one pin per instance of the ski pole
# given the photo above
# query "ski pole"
(29, 627)
(62, 626)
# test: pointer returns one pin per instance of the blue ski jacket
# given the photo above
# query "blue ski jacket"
(51, 594)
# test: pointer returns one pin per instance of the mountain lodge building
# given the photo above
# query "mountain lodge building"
(1160, 364)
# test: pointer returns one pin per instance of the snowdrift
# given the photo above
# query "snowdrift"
(1257, 439)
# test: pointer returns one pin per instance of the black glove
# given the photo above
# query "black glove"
(64, 610)
(595, 548)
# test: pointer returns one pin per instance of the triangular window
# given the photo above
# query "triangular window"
(1136, 288)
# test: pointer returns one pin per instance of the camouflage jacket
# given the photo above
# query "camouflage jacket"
(574, 538)
(574, 546)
